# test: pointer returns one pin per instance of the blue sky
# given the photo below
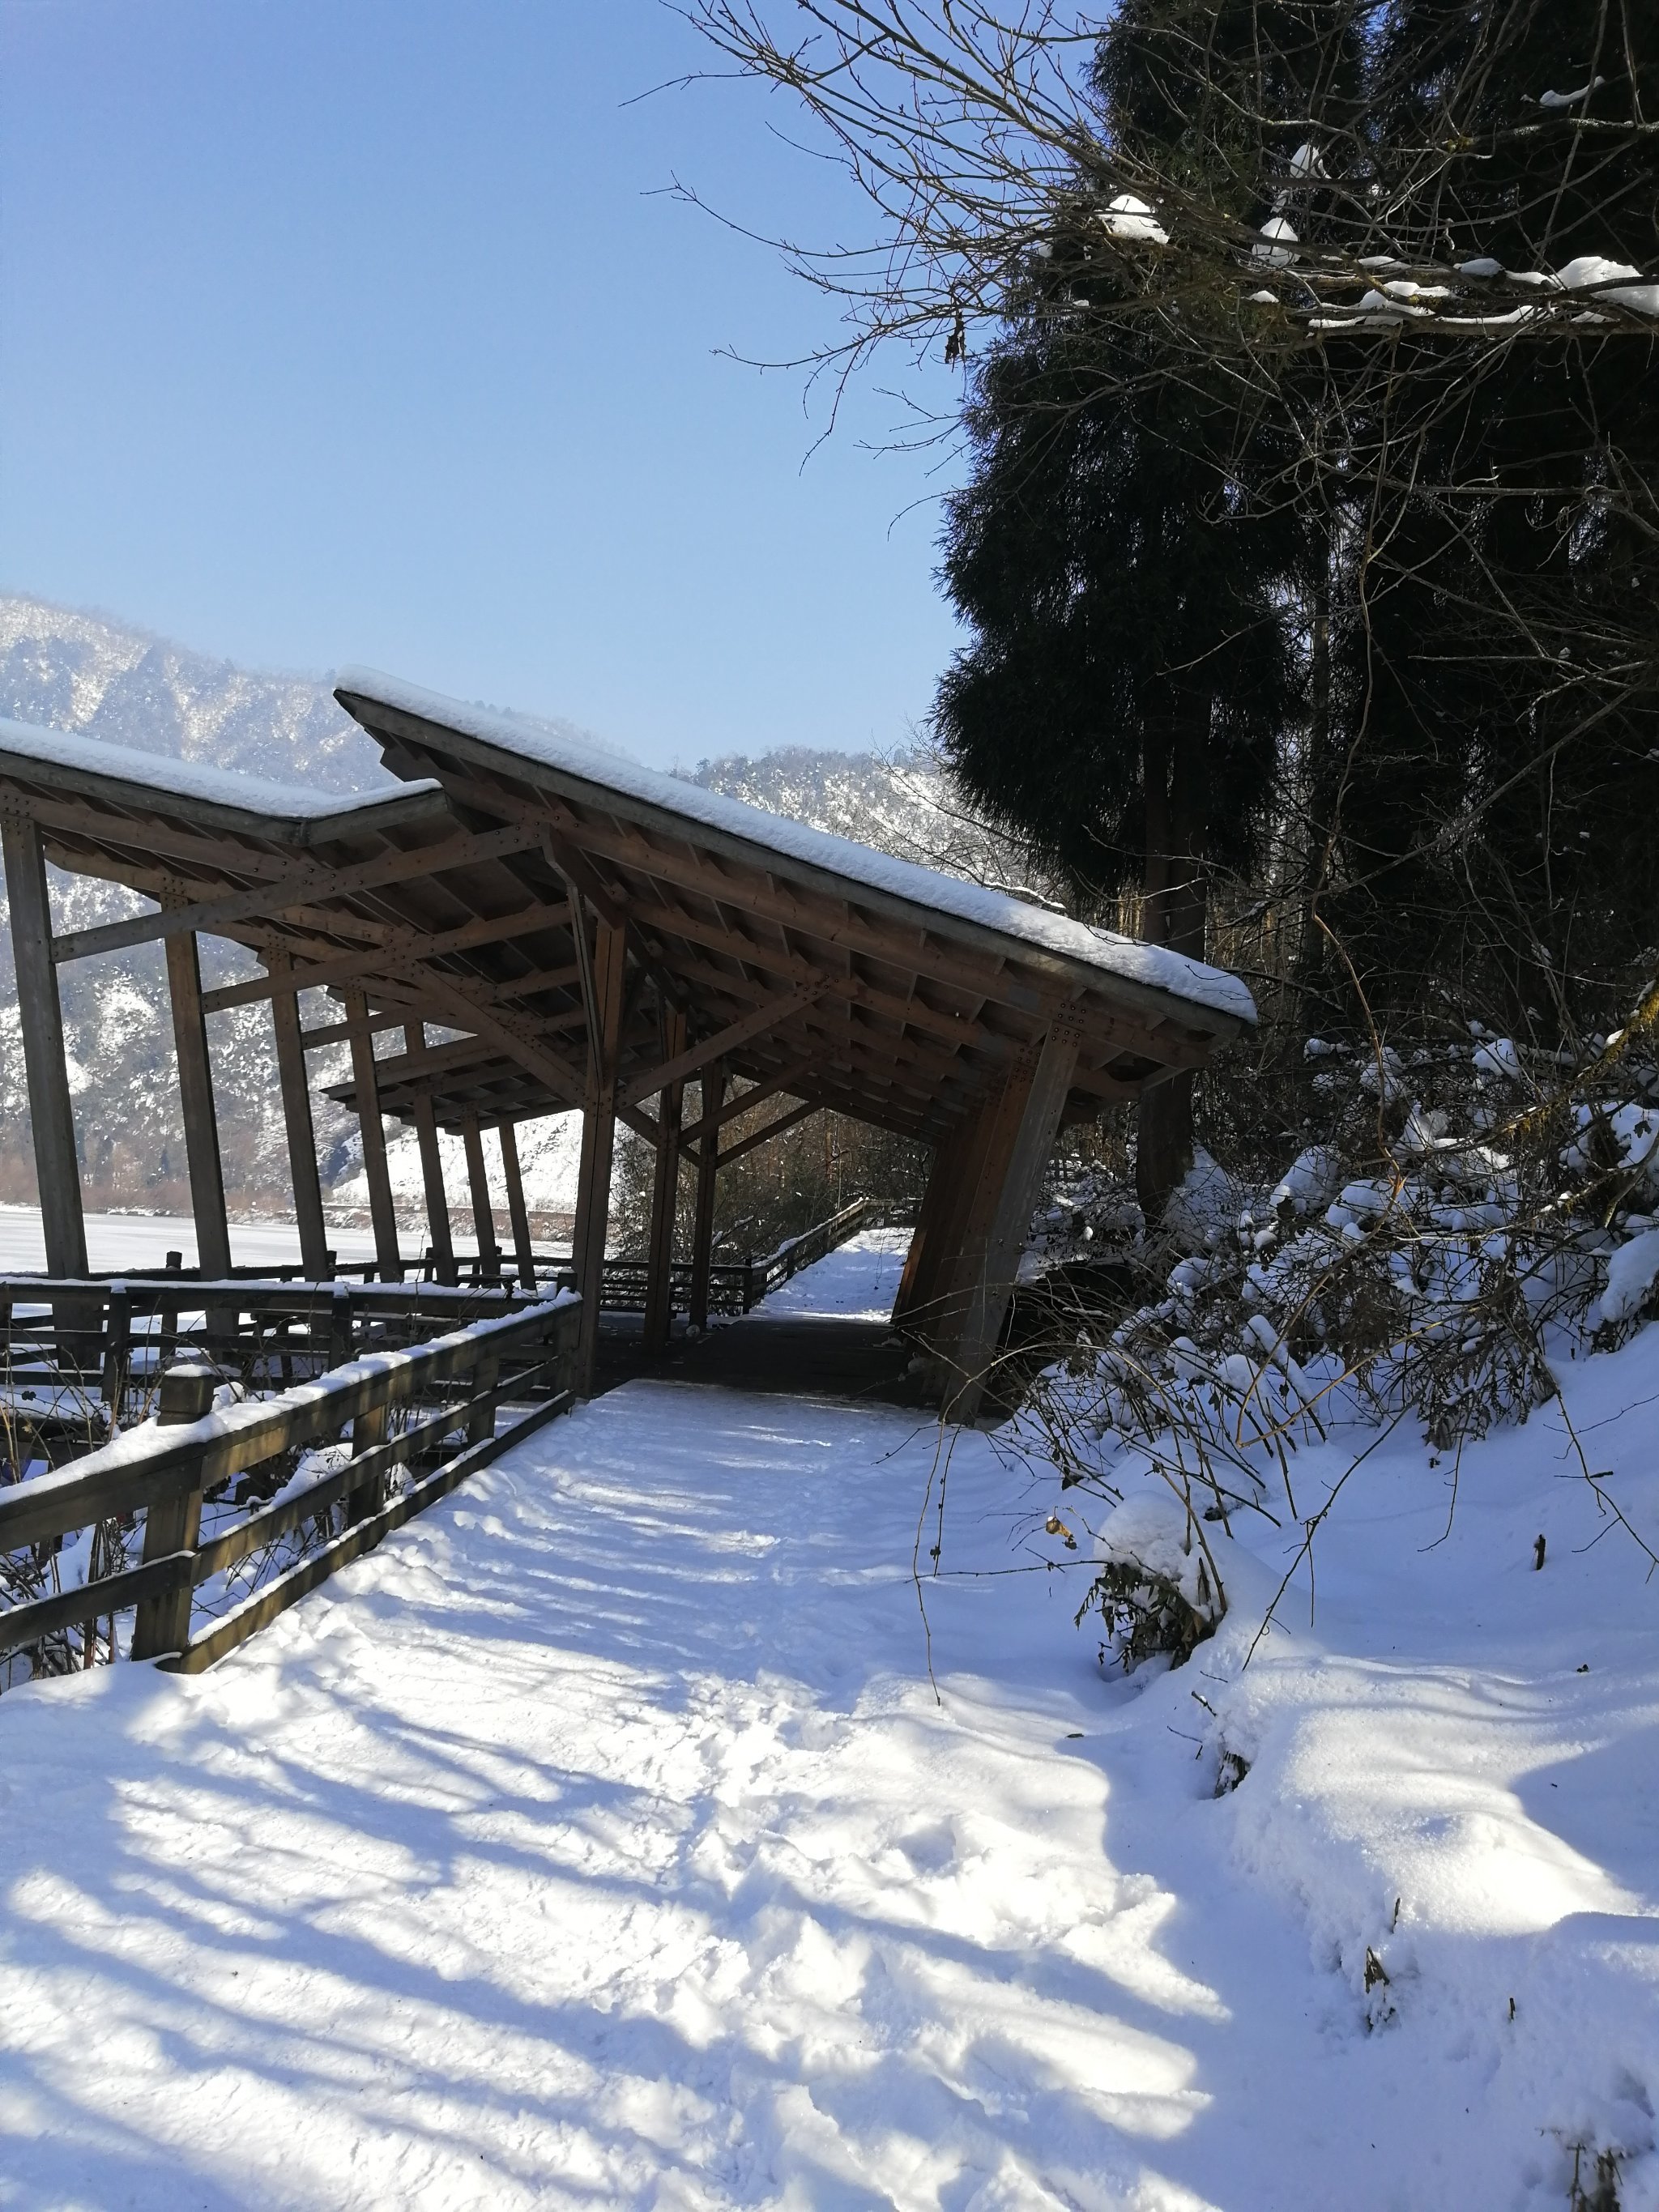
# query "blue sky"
(365, 330)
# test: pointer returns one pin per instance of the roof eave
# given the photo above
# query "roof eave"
(138, 795)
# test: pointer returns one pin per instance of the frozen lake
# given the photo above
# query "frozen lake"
(143, 1240)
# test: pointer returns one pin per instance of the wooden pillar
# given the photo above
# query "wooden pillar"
(988, 1147)
(921, 1261)
(51, 1114)
(432, 1169)
(301, 1134)
(936, 1310)
(599, 1139)
(381, 1212)
(708, 1163)
(484, 1214)
(1026, 1127)
(665, 1198)
(518, 1212)
(207, 1181)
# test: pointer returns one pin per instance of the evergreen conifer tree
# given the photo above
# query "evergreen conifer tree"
(1126, 562)
(1500, 676)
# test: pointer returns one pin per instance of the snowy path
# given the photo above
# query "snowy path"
(600, 1841)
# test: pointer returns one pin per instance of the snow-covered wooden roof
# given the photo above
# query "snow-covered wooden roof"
(826, 971)
(889, 991)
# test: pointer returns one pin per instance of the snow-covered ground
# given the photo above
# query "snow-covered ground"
(602, 1839)
(860, 1278)
(143, 1240)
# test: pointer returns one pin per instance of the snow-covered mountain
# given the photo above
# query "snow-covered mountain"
(85, 671)
(900, 803)
(82, 671)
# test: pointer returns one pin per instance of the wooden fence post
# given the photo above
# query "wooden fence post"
(167, 1314)
(367, 1431)
(339, 1328)
(481, 1419)
(173, 1524)
(117, 1351)
(709, 1161)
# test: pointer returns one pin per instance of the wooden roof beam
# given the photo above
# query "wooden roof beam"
(774, 1129)
(769, 1015)
(404, 951)
(967, 971)
(785, 1079)
(298, 887)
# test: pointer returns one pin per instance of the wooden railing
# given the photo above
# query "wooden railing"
(795, 1253)
(82, 1358)
(735, 1286)
(408, 1422)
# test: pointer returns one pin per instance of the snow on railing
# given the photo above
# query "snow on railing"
(212, 1450)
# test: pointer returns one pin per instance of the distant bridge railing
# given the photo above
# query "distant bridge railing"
(239, 1508)
(735, 1286)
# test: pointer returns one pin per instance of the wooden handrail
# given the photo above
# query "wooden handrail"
(151, 1463)
(165, 1470)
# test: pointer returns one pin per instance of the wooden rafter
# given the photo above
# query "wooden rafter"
(296, 890)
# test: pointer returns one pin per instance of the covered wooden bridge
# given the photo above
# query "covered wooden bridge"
(585, 933)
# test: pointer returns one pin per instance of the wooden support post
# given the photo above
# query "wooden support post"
(921, 1261)
(484, 1214)
(381, 1212)
(51, 1115)
(989, 1143)
(1027, 1125)
(609, 966)
(518, 1212)
(934, 1309)
(481, 1419)
(432, 1169)
(173, 1523)
(665, 1198)
(302, 1133)
(702, 1229)
(190, 1044)
(117, 1352)
(367, 1431)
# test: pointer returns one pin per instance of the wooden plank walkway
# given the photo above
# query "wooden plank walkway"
(812, 1356)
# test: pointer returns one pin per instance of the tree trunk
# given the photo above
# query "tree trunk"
(1174, 914)
(1323, 779)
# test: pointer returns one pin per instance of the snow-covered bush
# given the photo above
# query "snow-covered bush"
(1462, 1217)
(1157, 1591)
